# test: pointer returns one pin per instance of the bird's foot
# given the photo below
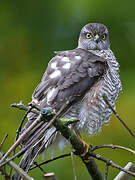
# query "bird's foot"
(86, 147)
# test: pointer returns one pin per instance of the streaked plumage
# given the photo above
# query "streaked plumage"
(82, 76)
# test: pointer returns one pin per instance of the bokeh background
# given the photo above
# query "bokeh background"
(29, 33)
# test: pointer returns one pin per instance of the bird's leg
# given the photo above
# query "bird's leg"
(76, 131)
(72, 121)
(85, 145)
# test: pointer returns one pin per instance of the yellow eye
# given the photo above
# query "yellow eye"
(104, 36)
(88, 36)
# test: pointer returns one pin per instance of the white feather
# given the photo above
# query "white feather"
(66, 59)
(50, 94)
(55, 74)
(67, 66)
(53, 65)
(78, 57)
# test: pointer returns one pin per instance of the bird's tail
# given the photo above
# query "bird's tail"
(30, 155)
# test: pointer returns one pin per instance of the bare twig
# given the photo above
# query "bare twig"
(36, 164)
(118, 117)
(18, 169)
(3, 140)
(25, 108)
(113, 147)
(22, 121)
(51, 160)
(106, 172)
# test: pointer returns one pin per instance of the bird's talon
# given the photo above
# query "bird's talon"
(86, 146)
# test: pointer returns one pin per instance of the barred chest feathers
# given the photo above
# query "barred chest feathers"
(93, 112)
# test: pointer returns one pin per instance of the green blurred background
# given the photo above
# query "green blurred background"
(29, 33)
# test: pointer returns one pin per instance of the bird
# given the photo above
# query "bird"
(80, 76)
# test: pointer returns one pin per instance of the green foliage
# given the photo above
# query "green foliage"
(29, 33)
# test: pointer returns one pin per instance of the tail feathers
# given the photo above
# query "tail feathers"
(26, 161)
(30, 155)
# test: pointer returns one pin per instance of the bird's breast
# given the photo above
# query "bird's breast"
(93, 111)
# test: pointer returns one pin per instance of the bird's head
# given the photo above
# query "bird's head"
(94, 36)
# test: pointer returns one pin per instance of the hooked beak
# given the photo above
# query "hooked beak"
(97, 38)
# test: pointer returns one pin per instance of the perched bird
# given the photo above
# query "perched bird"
(82, 75)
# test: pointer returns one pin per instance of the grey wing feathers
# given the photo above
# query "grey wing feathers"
(85, 69)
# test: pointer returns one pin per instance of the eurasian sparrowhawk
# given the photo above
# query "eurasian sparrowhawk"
(82, 75)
